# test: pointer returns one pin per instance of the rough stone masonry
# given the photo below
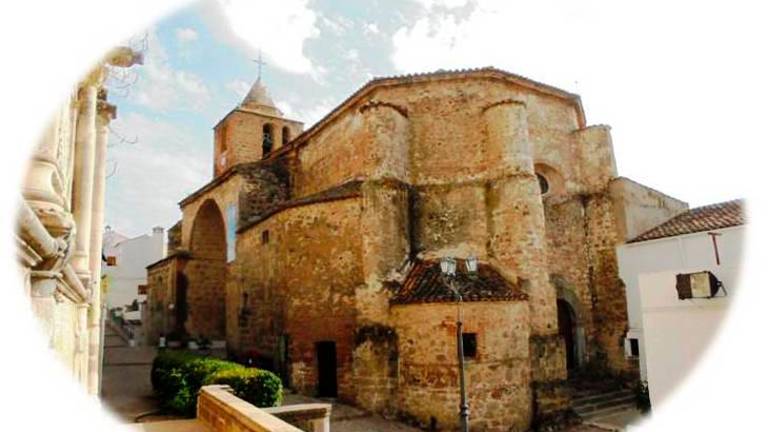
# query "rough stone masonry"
(315, 253)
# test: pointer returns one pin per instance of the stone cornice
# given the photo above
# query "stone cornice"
(503, 102)
(489, 73)
(371, 104)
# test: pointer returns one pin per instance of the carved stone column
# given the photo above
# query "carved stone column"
(85, 157)
(44, 285)
(81, 344)
(105, 113)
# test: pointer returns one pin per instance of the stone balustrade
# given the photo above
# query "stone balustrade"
(220, 410)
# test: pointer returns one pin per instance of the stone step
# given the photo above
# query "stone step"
(603, 404)
(595, 416)
(599, 397)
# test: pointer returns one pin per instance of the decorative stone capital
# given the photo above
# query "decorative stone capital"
(124, 57)
(44, 283)
(106, 111)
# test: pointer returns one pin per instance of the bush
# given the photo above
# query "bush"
(178, 375)
(164, 382)
(642, 397)
(257, 386)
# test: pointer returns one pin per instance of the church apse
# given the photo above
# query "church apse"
(406, 170)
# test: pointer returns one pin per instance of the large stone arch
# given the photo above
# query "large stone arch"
(207, 272)
(567, 294)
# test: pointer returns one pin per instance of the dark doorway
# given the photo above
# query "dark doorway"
(326, 369)
(181, 307)
(567, 326)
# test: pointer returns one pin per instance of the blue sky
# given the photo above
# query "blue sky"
(646, 84)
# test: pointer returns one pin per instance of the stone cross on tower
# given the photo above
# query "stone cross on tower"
(260, 63)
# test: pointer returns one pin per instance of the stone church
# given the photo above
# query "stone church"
(316, 252)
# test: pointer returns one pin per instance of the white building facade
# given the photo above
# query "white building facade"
(125, 265)
(668, 334)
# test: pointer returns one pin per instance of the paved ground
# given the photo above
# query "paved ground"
(127, 391)
(621, 420)
(126, 388)
(346, 418)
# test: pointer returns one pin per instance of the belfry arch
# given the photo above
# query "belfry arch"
(206, 273)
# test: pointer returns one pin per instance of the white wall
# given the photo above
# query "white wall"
(677, 332)
(671, 332)
(133, 256)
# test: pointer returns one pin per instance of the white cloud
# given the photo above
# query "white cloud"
(239, 87)
(495, 32)
(337, 25)
(352, 55)
(310, 115)
(636, 68)
(279, 29)
(186, 34)
(163, 88)
(371, 29)
(450, 4)
(167, 162)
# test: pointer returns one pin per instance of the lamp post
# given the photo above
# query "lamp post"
(448, 269)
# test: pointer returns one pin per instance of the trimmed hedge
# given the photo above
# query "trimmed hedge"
(257, 386)
(178, 375)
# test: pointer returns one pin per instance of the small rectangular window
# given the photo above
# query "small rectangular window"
(111, 261)
(469, 340)
(634, 347)
(265, 237)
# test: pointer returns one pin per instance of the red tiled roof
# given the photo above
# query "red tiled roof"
(706, 218)
(425, 284)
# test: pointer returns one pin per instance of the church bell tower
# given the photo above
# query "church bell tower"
(252, 131)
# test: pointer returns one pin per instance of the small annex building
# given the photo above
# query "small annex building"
(670, 329)
(315, 252)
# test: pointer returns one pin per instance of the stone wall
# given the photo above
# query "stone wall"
(498, 380)
(640, 208)
(445, 166)
(295, 277)
(161, 282)
(218, 410)
(238, 138)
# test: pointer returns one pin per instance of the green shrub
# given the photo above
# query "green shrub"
(163, 382)
(642, 397)
(259, 387)
(197, 370)
(178, 375)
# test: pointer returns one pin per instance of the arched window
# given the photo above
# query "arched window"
(543, 183)
(266, 140)
(550, 180)
(286, 135)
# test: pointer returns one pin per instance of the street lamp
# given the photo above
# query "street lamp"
(448, 268)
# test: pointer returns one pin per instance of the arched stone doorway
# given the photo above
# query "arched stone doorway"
(570, 322)
(206, 273)
(181, 309)
(566, 325)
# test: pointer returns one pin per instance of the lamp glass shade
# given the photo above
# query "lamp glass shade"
(448, 266)
(471, 263)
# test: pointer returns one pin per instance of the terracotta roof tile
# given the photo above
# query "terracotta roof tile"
(706, 218)
(425, 284)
